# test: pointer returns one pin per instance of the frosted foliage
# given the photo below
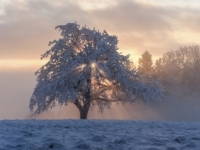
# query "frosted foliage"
(145, 63)
(85, 69)
(181, 68)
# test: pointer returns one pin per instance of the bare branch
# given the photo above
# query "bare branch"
(104, 99)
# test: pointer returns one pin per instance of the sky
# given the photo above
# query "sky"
(27, 26)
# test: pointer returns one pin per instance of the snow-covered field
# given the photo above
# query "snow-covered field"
(98, 135)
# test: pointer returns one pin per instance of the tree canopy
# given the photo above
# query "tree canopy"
(145, 63)
(85, 69)
(180, 68)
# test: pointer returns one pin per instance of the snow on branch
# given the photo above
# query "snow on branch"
(85, 69)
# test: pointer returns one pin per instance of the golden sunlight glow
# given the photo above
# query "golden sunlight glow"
(16, 64)
(81, 67)
(93, 65)
(102, 72)
(134, 55)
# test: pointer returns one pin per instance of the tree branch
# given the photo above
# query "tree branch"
(99, 93)
(78, 105)
(105, 99)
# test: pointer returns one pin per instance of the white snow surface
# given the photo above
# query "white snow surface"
(98, 135)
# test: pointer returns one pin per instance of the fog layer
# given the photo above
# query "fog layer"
(17, 86)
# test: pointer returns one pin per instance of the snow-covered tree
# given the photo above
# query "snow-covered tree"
(145, 63)
(180, 69)
(86, 69)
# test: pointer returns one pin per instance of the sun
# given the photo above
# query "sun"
(93, 65)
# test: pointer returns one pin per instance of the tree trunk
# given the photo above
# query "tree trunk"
(83, 113)
(83, 110)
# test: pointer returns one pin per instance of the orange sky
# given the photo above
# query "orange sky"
(157, 26)
(26, 27)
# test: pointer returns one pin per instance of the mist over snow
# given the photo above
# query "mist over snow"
(17, 86)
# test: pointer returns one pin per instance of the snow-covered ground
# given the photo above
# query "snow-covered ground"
(98, 135)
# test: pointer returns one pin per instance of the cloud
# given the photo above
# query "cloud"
(27, 26)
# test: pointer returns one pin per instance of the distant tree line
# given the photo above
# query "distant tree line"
(179, 70)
